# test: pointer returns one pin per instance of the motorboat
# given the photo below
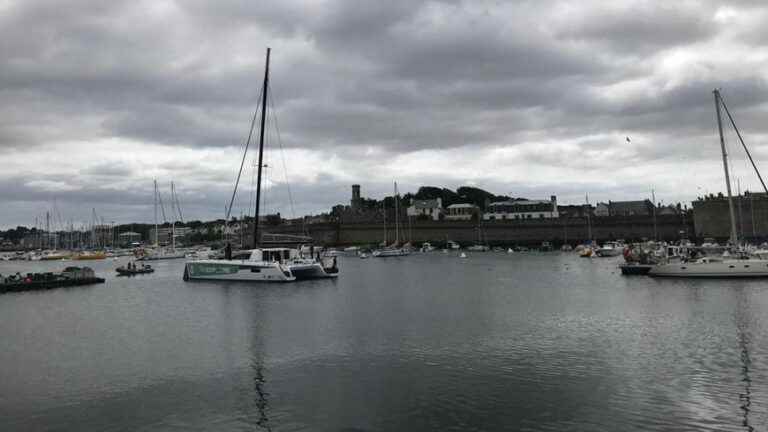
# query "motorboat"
(610, 249)
(391, 252)
(427, 247)
(133, 270)
(479, 248)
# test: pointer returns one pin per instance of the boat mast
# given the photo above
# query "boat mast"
(397, 217)
(173, 224)
(261, 151)
(734, 238)
(384, 210)
(155, 212)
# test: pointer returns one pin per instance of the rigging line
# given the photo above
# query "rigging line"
(162, 207)
(242, 162)
(282, 155)
(743, 144)
(178, 205)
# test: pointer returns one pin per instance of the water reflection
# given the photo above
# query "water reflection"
(260, 395)
(742, 323)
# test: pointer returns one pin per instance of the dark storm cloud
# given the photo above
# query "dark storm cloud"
(401, 77)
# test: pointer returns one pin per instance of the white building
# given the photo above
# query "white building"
(431, 208)
(522, 209)
(461, 211)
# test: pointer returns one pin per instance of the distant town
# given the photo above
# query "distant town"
(466, 214)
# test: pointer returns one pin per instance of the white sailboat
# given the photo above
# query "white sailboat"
(157, 252)
(261, 264)
(726, 266)
(394, 250)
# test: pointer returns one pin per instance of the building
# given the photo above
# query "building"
(522, 209)
(667, 210)
(630, 208)
(575, 211)
(431, 208)
(164, 234)
(355, 201)
(602, 209)
(128, 237)
(456, 212)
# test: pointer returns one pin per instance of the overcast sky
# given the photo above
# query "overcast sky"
(528, 98)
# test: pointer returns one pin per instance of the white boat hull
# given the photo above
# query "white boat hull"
(237, 270)
(385, 253)
(314, 270)
(720, 269)
(608, 252)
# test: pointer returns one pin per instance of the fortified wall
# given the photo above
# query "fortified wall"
(507, 232)
(711, 217)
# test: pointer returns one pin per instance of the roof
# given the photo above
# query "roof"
(462, 206)
(430, 203)
(521, 202)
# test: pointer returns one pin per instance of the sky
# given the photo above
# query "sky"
(526, 98)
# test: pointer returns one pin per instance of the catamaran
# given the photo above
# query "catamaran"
(261, 264)
(728, 265)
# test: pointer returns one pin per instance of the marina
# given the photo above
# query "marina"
(384, 216)
(501, 329)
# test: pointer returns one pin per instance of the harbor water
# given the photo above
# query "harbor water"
(525, 341)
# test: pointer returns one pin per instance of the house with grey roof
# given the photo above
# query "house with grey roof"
(431, 208)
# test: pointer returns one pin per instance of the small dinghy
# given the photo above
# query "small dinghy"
(131, 270)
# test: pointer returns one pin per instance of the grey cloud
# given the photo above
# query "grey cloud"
(639, 28)
(348, 75)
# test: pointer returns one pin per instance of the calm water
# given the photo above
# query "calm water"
(494, 342)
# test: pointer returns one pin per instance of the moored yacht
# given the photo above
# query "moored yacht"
(727, 265)
(279, 264)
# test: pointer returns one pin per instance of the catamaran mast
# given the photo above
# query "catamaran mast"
(734, 237)
(261, 151)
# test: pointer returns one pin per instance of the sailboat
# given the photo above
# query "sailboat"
(394, 250)
(158, 253)
(480, 246)
(738, 265)
(261, 264)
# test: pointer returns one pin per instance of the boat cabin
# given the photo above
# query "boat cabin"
(273, 254)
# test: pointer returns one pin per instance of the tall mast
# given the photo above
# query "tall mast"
(384, 210)
(734, 237)
(397, 216)
(173, 223)
(155, 212)
(261, 151)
